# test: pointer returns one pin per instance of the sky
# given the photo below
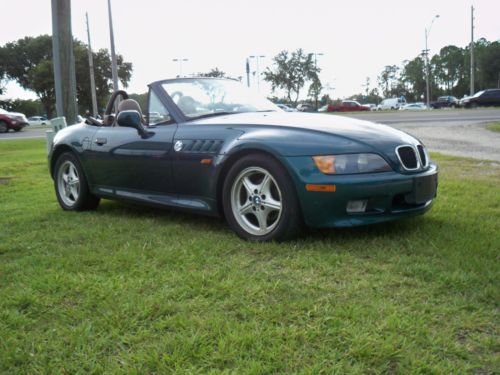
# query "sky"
(357, 38)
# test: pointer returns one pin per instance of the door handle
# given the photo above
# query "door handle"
(100, 141)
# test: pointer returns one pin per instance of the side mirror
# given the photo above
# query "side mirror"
(131, 119)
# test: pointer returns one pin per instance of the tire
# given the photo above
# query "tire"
(3, 127)
(259, 200)
(17, 130)
(71, 186)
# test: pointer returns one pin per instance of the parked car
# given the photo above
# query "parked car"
(237, 156)
(12, 120)
(392, 103)
(38, 120)
(305, 107)
(372, 106)
(286, 108)
(445, 102)
(485, 98)
(346, 106)
(413, 107)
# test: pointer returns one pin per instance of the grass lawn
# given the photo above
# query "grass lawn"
(128, 289)
(494, 127)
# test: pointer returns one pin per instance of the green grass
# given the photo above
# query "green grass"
(128, 289)
(494, 127)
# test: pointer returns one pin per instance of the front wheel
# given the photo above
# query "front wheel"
(260, 202)
(71, 186)
(3, 127)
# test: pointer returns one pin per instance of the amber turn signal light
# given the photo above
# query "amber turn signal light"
(321, 188)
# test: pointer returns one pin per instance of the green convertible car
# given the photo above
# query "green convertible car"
(211, 146)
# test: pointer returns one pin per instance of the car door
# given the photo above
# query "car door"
(123, 163)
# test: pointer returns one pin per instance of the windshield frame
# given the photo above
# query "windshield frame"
(178, 113)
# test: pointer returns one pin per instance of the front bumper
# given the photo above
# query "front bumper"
(388, 196)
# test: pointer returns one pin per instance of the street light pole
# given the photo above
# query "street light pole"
(180, 60)
(258, 72)
(427, 32)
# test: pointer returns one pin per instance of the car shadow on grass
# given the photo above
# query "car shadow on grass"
(394, 230)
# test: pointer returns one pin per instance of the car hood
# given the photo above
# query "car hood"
(341, 126)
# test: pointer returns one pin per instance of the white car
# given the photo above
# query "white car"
(38, 120)
(392, 103)
(413, 107)
(286, 108)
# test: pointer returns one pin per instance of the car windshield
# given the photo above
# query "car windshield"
(201, 97)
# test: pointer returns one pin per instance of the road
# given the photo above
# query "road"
(27, 132)
(444, 115)
(452, 132)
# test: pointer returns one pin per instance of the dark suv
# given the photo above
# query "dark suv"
(445, 102)
(485, 98)
(11, 120)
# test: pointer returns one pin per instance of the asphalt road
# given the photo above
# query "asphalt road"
(454, 132)
(443, 115)
(27, 132)
(451, 132)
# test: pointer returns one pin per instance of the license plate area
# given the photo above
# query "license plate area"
(424, 189)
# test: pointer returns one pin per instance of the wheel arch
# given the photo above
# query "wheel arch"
(229, 162)
(58, 151)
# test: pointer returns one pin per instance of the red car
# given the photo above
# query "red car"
(12, 120)
(345, 106)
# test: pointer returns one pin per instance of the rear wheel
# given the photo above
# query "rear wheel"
(259, 200)
(3, 127)
(71, 186)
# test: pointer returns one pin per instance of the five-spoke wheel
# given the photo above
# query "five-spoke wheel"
(259, 200)
(71, 185)
(68, 183)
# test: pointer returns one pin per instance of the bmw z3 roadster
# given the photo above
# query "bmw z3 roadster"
(211, 146)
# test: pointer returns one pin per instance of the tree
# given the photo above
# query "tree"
(387, 78)
(291, 72)
(28, 61)
(449, 66)
(215, 72)
(28, 107)
(413, 77)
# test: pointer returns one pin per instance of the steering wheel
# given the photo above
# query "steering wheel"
(176, 95)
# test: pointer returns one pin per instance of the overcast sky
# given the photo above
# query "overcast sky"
(357, 38)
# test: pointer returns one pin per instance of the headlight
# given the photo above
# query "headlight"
(351, 163)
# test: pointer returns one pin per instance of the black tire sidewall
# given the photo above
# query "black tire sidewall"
(290, 222)
(85, 199)
(3, 127)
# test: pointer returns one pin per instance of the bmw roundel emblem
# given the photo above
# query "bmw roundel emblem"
(178, 146)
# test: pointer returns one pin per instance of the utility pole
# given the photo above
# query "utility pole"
(91, 67)
(257, 57)
(64, 61)
(316, 54)
(248, 73)
(471, 50)
(114, 69)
